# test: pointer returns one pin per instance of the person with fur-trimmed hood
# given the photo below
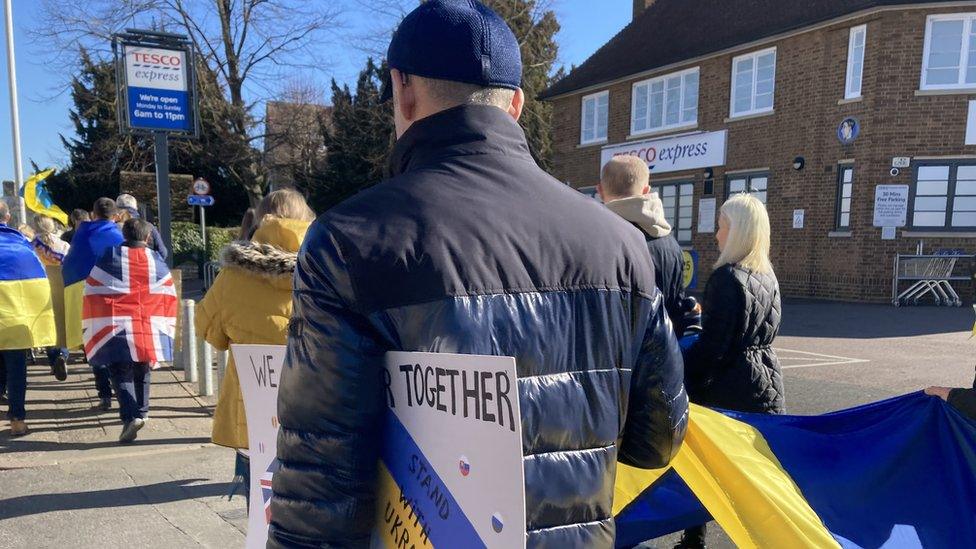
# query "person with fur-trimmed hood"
(251, 302)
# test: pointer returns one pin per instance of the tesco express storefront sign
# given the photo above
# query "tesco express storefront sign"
(674, 154)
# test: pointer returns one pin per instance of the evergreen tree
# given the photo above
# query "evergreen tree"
(535, 28)
(98, 153)
(358, 141)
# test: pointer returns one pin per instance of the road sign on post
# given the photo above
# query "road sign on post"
(200, 200)
(156, 94)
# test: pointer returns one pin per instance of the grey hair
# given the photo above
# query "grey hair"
(451, 94)
(4, 211)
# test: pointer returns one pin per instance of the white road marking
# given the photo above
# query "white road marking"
(814, 359)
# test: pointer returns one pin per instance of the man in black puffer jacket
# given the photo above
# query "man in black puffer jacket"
(471, 248)
(625, 190)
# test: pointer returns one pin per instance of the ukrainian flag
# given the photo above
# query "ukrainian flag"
(26, 314)
(897, 473)
(38, 199)
(90, 242)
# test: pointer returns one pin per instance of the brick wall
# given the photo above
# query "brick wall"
(810, 79)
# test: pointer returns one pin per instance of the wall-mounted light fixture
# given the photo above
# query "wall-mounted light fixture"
(709, 174)
(798, 163)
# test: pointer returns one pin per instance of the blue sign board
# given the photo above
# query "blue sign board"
(200, 200)
(158, 89)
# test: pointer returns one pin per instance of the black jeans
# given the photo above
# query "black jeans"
(15, 381)
(131, 380)
(103, 381)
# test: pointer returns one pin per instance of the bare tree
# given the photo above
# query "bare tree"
(294, 138)
(245, 43)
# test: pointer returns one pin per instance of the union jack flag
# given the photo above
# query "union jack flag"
(129, 308)
(266, 492)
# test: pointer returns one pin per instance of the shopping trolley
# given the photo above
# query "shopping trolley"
(930, 275)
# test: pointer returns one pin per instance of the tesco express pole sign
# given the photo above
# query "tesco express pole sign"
(674, 154)
(157, 89)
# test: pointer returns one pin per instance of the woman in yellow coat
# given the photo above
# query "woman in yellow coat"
(250, 302)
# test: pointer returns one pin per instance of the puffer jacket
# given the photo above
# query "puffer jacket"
(471, 248)
(646, 212)
(733, 365)
(249, 302)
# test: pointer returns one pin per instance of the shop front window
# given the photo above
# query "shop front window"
(678, 210)
(944, 197)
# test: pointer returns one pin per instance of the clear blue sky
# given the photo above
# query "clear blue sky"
(586, 25)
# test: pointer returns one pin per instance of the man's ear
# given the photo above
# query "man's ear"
(647, 189)
(518, 103)
(599, 192)
(404, 94)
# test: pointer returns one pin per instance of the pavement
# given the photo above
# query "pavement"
(70, 484)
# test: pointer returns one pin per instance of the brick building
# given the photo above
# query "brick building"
(294, 139)
(807, 104)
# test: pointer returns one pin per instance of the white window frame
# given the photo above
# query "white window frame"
(597, 138)
(969, 19)
(755, 74)
(681, 108)
(850, 93)
(679, 202)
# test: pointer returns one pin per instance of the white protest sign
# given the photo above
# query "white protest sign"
(450, 474)
(706, 215)
(891, 205)
(672, 154)
(258, 368)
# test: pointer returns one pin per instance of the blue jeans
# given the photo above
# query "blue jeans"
(103, 381)
(131, 380)
(15, 366)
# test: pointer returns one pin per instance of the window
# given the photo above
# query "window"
(595, 110)
(756, 184)
(670, 101)
(944, 197)
(845, 190)
(678, 198)
(753, 82)
(855, 61)
(949, 61)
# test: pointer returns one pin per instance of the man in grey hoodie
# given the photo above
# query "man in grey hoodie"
(625, 190)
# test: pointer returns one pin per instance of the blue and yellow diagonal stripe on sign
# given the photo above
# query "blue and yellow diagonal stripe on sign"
(898, 473)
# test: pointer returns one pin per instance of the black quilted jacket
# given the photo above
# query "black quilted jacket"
(471, 248)
(733, 365)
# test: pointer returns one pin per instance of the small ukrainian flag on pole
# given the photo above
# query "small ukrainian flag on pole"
(38, 199)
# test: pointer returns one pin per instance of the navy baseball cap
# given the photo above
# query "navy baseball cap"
(456, 40)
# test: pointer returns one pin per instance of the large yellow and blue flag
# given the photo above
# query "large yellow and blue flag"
(91, 241)
(897, 473)
(26, 315)
(38, 199)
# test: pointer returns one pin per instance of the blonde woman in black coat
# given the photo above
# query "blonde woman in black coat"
(733, 366)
